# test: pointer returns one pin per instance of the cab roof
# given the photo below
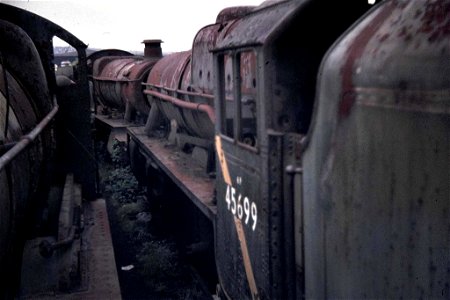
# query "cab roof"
(261, 26)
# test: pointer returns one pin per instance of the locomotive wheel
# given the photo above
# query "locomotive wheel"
(156, 181)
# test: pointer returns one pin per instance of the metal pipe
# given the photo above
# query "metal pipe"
(28, 138)
(46, 248)
(5, 147)
(182, 92)
(209, 110)
(100, 78)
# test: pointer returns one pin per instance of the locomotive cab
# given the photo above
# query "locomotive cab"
(264, 97)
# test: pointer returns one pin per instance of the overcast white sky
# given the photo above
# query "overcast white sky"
(125, 24)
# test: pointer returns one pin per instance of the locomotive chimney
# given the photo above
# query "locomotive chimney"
(152, 48)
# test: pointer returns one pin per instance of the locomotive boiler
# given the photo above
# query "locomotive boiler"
(118, 80)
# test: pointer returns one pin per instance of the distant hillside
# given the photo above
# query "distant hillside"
(70, 51)
(69, 54)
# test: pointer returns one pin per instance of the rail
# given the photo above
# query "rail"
(206, 108)
(25, 140)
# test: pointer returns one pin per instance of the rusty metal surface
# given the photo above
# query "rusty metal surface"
(183, 104)
(53, 264)
(92, 254)
(21, 116)
(168, 73)
(27, 81)
(180, 167)
(376, 167)
(16, 47)
(17, 114)
(27, 139)
(202, 60)
(281, 76)
(133, 91)
(198, 124)
(26, 146)
(107, 73)
(235, 12)
(169, 70)
(103, 280)
(257, 27)
(178, 72)
(152, 48)
(201, 77)
(113, 123)
(41, 32)
(117, 81)
(20, 112)
(102, 53)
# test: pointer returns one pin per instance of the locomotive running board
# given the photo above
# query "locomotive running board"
(188, 176)
(103, 277)
(112, 122)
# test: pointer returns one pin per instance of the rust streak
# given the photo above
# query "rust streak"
(354, 53)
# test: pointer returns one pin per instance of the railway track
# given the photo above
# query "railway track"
(153, 260)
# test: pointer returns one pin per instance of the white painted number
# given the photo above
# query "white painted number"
(233, 200)
(227, 197)
(246, 210)
(254, 215)
(240, 213)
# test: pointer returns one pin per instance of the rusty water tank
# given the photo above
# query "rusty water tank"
(376, 174)
(118, 80)
(24, 103)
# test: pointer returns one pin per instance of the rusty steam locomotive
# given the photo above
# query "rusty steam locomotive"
(328, 144)
(319, 155)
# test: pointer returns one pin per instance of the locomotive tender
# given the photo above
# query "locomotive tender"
(45, 137)
(320, 155)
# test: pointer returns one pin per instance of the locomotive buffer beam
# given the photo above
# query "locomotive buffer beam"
(113, 130)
